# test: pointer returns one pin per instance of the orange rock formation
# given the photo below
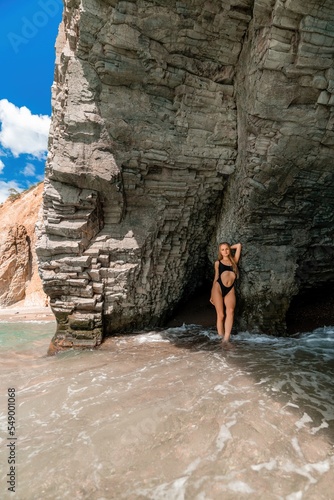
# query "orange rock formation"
(19, 279)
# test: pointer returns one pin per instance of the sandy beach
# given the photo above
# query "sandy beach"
(17, 314)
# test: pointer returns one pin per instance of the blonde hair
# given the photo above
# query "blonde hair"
(230, 257)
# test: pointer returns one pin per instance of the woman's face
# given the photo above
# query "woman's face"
(224, 250)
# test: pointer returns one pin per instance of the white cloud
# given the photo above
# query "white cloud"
(2, 166)
(29, 170)
(5, 187)
(21, 131)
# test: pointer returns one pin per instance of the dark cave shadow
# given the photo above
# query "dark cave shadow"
(311, 309)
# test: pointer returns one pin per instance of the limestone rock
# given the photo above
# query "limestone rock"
(176, 126)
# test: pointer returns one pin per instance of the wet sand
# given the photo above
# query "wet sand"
(17, 314)
(170, 415)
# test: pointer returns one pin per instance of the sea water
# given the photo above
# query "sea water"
(168, 414)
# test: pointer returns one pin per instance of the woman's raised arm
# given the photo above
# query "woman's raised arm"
(237, 247)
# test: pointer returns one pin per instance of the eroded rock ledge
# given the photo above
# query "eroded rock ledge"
(175, 126)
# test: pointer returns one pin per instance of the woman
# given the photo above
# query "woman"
(223, 293)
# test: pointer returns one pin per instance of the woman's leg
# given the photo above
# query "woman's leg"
(230, 302)
(218, 302)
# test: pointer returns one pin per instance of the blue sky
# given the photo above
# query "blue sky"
(28, 33)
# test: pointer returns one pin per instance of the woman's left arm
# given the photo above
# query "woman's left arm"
(237, 247)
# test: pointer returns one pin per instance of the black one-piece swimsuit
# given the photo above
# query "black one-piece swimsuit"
(225, 289)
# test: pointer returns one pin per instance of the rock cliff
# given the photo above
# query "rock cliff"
(19, 279)
(175, 126)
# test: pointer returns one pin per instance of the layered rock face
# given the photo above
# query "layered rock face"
(175, 126)
(280, 200)
(19, 279)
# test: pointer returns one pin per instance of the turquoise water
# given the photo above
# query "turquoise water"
(25, 336)
(169, 414)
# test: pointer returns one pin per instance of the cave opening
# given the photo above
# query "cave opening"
(311, 309)
(195, 308)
